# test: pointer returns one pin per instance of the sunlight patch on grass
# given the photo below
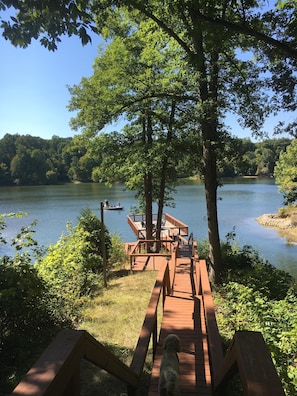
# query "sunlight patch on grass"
(116, 315)
(115, 318)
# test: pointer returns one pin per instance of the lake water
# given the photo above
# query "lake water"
(240, 202)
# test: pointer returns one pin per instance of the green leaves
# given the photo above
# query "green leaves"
(256, 296)
(285, 173)
(72, 268)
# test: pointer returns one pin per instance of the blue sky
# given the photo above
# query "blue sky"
(34, 96)
(33, 83)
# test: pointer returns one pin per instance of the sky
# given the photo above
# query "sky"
(33, 87)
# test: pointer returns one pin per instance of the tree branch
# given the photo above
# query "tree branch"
(247, 30)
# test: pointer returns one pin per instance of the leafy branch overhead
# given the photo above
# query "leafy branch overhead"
(51, 19)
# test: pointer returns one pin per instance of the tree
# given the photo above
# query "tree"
(285, 173)
(154, 101)
(211, 35)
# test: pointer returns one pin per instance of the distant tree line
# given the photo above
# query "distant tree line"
(29, 160)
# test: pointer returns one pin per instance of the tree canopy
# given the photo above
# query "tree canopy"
(242, 56)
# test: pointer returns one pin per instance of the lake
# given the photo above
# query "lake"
(240, 202)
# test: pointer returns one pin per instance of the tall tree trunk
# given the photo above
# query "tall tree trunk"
(148, 181)
(164, 173)
(211, 184)
(207, 85)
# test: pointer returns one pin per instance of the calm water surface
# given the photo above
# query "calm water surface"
(241, 201)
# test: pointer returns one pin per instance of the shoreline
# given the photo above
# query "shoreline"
(284, 226)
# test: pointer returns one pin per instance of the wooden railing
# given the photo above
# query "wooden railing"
(150, 325)
(213, 336)
(176, 228)
(142, 248)
(179, 228)
(249, 355)
(56, 373)
(139, 218)
(57, 370)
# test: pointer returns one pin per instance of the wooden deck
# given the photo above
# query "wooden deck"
(171, 227)
(182, 313)
(184, 316)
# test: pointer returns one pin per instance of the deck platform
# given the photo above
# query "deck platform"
(171, 227)
(184, 316)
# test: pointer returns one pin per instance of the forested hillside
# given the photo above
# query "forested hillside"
(29, 160)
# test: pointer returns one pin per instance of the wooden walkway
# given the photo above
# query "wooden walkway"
(184, 316)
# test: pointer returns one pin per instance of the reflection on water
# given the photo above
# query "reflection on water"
(240, 202)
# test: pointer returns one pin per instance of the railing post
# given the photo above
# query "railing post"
(73, 387)
(155, 336)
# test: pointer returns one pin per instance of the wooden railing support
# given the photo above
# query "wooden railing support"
(213, 335)
(149, 326)
(56, 372)
(249, 355)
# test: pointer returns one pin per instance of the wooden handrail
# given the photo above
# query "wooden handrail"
(214, 339)
(56, 372)
(137, 251)
(149, 327)
(183, 229)
(203, 289)
(249, 355)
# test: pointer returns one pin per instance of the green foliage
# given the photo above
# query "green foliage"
(76, 159)
(92, 227)
(285, 173)
(64, 270)
(117, 256)
(32, 160)
(72, 268)
(26, 322)
(258, 297)
(40, 295)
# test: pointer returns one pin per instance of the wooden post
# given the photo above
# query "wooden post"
(103, 244)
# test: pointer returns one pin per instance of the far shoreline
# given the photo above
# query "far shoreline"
(285, 226)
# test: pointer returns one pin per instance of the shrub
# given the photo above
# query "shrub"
(259, 297)
(26, 323)
(73, 266)
(89, 223)
(118, 256)
(69, 275)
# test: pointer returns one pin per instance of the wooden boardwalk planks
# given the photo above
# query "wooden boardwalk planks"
(182, 313)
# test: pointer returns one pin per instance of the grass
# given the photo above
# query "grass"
(115, 317)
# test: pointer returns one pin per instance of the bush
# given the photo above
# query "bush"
(73, 266)
(26, 323)
(68, 274)
(89, 223)
(257, 296)
(118, 256)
